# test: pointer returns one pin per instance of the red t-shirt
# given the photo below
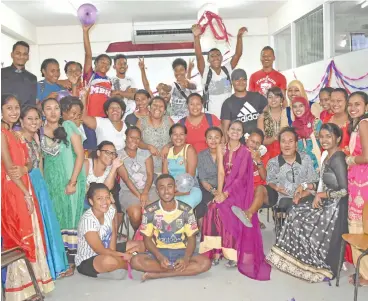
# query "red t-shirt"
(261, 81)
(196, 136)
(99, 91)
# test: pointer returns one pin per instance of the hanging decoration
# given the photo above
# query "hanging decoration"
(208, 18)
(341, 80)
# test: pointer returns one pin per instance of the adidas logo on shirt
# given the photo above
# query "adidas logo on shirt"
(247, 113)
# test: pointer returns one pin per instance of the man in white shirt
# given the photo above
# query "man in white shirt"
(123, 86)
(215, 77)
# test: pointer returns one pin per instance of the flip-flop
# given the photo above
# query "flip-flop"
(231, 264)
(262, 225)
(353, 277)
(241, 216)
(215, 262)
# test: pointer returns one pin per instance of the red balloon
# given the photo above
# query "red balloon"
(87, 14)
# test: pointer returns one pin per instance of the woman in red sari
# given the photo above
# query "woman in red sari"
(21, 222)
(240, 245)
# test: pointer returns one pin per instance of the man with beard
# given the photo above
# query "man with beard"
(169, 231)
(215, 77)
(267, 77)
(242, 105)
(123, 86)
(16, 80)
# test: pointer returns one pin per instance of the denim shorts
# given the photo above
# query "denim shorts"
(171, 254)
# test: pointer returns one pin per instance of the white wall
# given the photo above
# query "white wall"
(353, 64)
(7, 43)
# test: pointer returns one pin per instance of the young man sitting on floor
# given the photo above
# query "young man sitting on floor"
(173, 226)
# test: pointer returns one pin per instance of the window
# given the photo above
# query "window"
(350, 26)
(283, 49)
(309, 38)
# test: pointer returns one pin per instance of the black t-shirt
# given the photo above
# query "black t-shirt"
(246, 109)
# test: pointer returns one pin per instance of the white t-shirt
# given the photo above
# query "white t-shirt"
(123, 84)
(219, 89)
(179, 107)
(90, 223)
(105, 130)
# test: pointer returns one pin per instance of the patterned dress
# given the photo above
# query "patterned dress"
(307, 246)
(20, 229)
(58, 168)
(358, 195)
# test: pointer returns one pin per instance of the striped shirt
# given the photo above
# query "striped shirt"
(90, 223)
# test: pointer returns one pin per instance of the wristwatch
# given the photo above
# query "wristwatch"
(304, 186)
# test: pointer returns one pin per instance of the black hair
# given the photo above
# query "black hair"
(333, 129)
(329, 90)
(25, 109)
(93, 187)
(211, 50)
(288, 129)
(117, 100)
(239, 122)
(142, 91)
(177, 125)
(343, 91)
(120, 56)
(191, 95)
(67, 102)
(99, 148)
(275, 91)
(353, 125)
(72, 63)
(215, 129)
(160, 99)
(179, 62)
(46, 62)
(133, 128)
(268, 48)
(59, 133)
(259, 132)
(5, 97)
(21, 43)
(162, 177)
(101, 56)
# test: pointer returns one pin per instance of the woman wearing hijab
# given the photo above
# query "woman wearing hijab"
(307, 127)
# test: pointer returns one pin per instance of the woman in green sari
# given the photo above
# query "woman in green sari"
(63, 165)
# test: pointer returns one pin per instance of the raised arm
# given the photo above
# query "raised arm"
(87, 48)
(145, 81)
(239, 48)
(111, 177)
(196, 29)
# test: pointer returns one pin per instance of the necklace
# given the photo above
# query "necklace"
(229, 164)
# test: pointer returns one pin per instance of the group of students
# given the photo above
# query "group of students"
(72, 166)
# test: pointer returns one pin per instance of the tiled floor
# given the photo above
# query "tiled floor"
(219, 284)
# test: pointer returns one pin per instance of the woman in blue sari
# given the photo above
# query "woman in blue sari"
(30, 119)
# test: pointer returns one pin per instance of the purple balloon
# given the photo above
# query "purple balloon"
(62, 94)
(87, 14)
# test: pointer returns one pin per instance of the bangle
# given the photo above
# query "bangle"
(350, 160)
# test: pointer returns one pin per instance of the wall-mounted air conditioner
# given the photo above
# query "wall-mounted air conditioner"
(148, 33)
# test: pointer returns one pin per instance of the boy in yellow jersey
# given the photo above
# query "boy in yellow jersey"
(169, 228)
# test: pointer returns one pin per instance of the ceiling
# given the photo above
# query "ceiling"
(63, 12)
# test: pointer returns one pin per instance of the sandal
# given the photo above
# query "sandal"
(262, 225)
(69, 272)
(352, 280)
(241, 216)
(215, 261)
(231, 264)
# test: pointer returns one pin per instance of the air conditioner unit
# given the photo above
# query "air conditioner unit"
(146, 33)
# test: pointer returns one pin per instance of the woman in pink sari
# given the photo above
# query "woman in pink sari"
(358, 175)
(222, 232)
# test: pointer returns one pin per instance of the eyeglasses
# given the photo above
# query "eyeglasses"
(110, 154)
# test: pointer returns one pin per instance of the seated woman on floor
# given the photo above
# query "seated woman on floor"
(98, 255)
(308, 246)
